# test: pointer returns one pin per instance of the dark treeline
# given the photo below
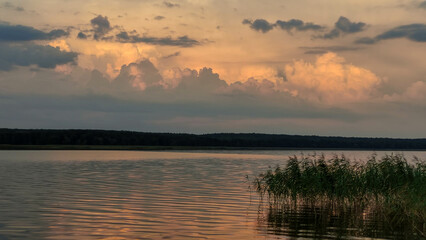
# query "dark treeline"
(246, 140)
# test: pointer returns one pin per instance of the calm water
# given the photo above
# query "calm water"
(151, 195)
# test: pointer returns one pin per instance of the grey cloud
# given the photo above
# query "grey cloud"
(264, 26)
(30, 54)
(366, 40)
(199, 83)
(172, 55)
(170, 4)
(101, 26)
(344, 26)
(82, 35)
(414, 32)
(260, 25)
(183, 41)
(103, 31)
(299, 25)
(158, 18)
(322, 50)
(20, 33)
(422, 5)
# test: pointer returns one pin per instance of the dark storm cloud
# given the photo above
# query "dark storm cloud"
(322, 50)
(264, 26)
(101, 26)
(413, 32)
(344, 26)
(20, 33)
(30, 54)
(183, 41)
(170, 4)
(9, 5)
(260, 25)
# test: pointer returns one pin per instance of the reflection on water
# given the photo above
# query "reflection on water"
(306, 221)
(139, 195)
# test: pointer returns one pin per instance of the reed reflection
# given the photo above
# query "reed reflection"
(326, 222)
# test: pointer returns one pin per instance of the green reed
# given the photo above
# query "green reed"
(390, 186)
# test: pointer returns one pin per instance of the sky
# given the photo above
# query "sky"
(310, 67)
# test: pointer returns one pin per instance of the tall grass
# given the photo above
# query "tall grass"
(389, 187)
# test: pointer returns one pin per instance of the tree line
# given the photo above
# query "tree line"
(241, 140)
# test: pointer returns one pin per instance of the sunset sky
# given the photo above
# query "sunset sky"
(316, 67)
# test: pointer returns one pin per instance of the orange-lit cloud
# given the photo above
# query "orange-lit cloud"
(329, 80)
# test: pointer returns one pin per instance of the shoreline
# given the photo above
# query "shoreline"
(168, 148)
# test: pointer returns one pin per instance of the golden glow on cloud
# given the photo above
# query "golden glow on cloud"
(329, 80)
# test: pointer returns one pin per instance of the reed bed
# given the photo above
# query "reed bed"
(389, 187)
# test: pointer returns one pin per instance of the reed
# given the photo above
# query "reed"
(388, 187)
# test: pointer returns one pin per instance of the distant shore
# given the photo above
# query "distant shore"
(177, 148)
(75, 139)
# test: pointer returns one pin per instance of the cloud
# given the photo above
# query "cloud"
(260, 25)
(422, 5)
(101, 26)
(252, 87)
(158, 18)
(264, 26)
(170, 4)
(9, 5)
(344, 26)
(322, 50)
(182, 41)
(413, 94)
(299, 25)
(20, 33)
(30, 54)
(329, 81)
(175, 54)
(414, 32)
(139, 76)
(103, 31)
(81, 35)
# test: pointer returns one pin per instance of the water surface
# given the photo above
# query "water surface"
(146, 195)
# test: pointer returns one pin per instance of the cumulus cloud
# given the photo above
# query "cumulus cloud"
(252, 87)
(415, 93)
(330, 81)
(344, 26)
(20, 33)
(101, 26)
(414, 32)
(264, 26)
(30, 54)
(140, 75)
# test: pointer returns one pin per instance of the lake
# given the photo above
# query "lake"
(154, 195)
